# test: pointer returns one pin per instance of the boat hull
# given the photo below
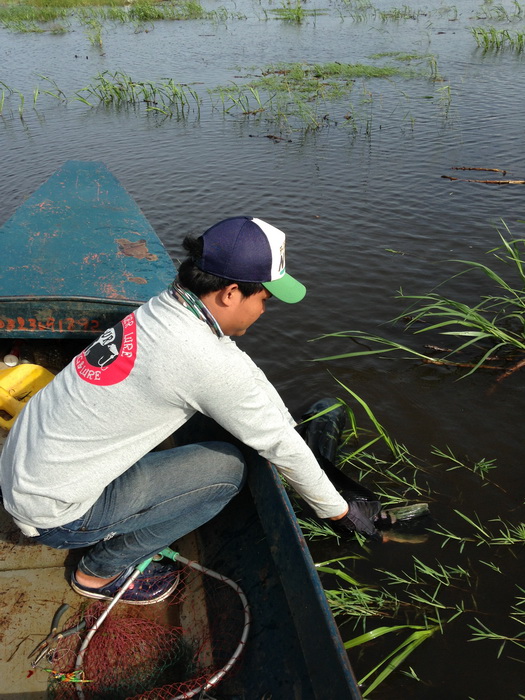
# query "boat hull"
(80, 256)
(58, 287)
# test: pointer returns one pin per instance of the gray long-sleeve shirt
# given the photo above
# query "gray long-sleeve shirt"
(129, 391)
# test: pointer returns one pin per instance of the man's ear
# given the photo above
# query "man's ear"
(229, 295)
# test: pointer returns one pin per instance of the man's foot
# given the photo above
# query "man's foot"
(155, 584)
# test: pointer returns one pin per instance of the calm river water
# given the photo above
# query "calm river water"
(366, 211)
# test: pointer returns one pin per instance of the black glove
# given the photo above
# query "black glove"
(361, 518)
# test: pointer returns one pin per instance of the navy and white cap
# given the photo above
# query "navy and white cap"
(245, 249)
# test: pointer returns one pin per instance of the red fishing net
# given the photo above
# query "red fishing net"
(173, 649)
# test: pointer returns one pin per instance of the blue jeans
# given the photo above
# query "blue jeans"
(162, 497)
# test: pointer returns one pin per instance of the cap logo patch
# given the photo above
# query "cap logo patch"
(281, 260)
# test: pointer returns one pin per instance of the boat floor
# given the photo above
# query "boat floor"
(34, 583)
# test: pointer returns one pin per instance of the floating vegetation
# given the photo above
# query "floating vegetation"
(296, 95)
(401, 56)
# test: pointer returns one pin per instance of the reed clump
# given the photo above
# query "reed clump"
(18, 14)
(34, 17)
(492, 39)
(295, 12)
(118, 89)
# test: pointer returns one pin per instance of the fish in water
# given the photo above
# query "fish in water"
(323, 435)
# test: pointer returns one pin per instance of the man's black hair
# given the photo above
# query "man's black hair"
(201, 283)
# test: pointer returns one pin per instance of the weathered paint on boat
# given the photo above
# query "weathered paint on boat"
(78, 255)
(294, 650)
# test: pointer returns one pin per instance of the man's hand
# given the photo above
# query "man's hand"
(360, 517)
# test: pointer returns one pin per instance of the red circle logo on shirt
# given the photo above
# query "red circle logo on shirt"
(110, 359)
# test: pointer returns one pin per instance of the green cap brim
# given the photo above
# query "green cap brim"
(286, 289)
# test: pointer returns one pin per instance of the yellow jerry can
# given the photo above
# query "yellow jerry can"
(17, 385)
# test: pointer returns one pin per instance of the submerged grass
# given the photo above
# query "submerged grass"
(13, 14)
(305, 95)
(118, 89)
(25, 18)
(294, 12)
(491, 331)
(492, 39)
(417, 602)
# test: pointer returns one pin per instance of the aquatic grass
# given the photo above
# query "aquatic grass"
(400, 56)
(397, 657)
(302, 96)
(483, 633)
(420, 600)
(74, 4)
(23, 27)
(509, 534)
(362, 602)
(150, 12)
(13, 14)
(180, 10)
(118, 89)
(396, 449)
(314, 530)
(400, 13)
(30, 19)
(443, 574)
(365, 604)
(518, 609)
(501, 13)
(327, 568)
(399, 470)
(493, 328)
(492, 39)
(427, 61)
(299, 95)
(34, 17)
(481, 468)
(116, 14)
(294, 12)
(94, 31)
(54, 90)
(445, 99)
(363, 11)
(483, 534)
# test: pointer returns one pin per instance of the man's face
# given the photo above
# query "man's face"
(246, 311)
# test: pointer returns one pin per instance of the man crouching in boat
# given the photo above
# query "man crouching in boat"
(77, 469)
